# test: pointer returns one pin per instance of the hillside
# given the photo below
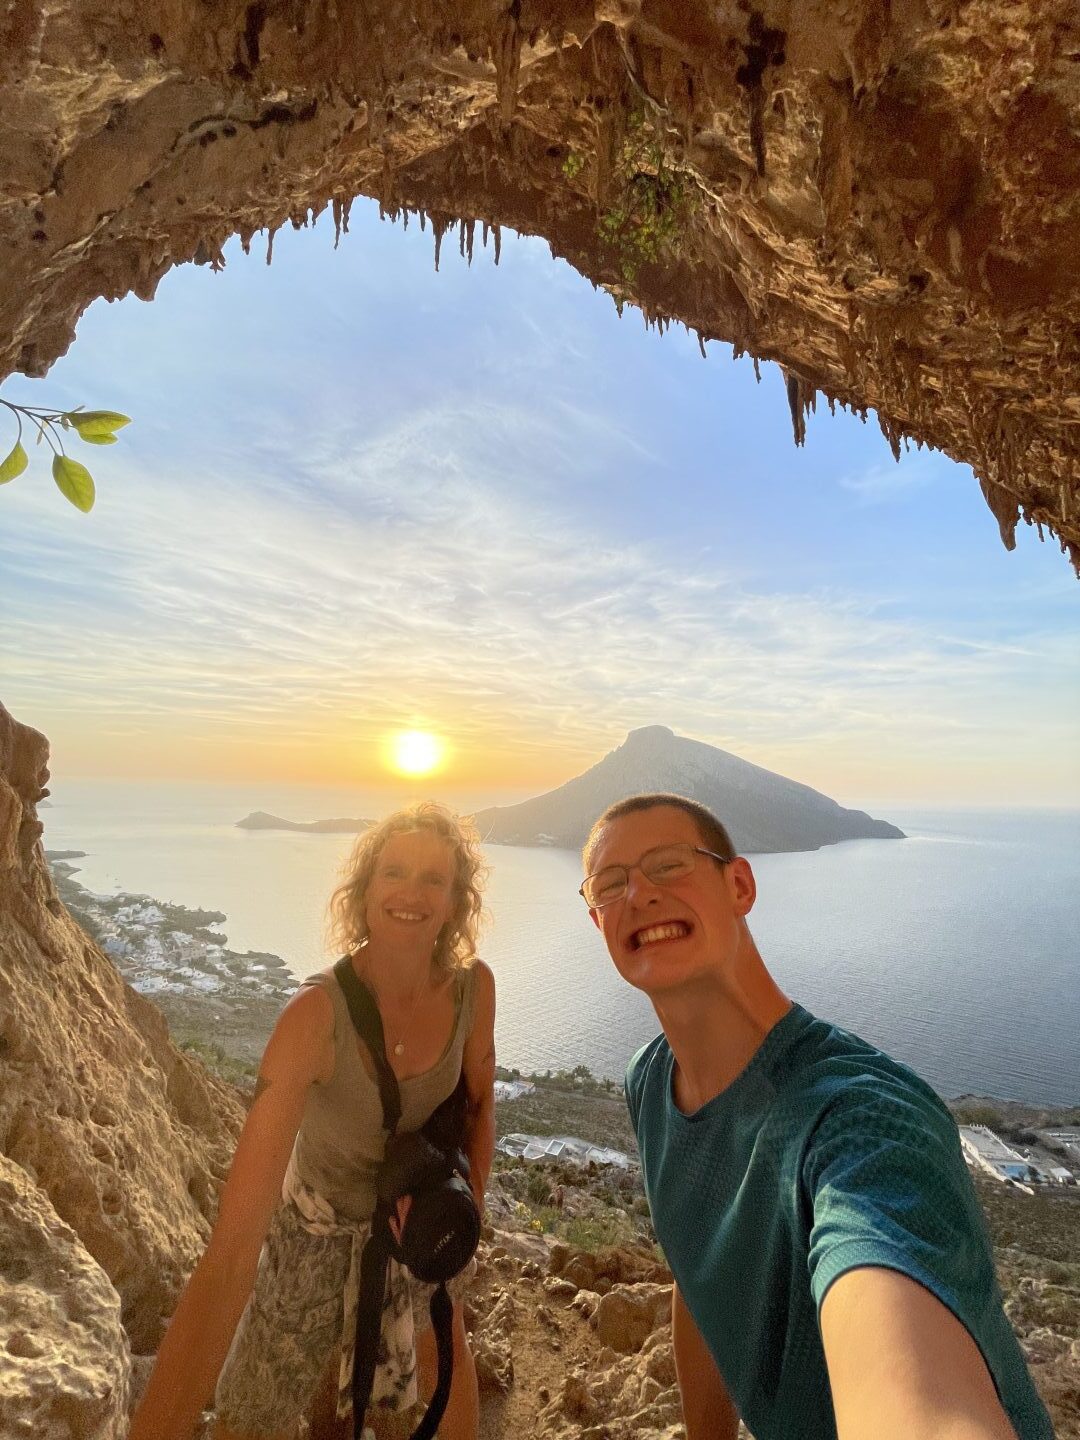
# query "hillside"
(763, 812)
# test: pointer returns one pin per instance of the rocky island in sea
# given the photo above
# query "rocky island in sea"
(763, 812)
(260, 820)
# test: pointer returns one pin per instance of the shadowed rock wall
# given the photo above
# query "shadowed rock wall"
(883, 198)
(112, 1145)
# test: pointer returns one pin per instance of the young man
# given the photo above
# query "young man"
(832, 1272)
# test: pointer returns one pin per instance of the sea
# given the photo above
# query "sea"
(956, 949)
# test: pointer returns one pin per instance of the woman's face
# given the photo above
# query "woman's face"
(410, 895)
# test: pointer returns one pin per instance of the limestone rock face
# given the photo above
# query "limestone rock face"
(64, 1365)
(125, 1138)
(884, 199)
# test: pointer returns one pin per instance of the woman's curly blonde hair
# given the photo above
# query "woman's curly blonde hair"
(456, 945)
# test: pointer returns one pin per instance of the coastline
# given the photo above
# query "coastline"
(222, 1004)
(219, 1003)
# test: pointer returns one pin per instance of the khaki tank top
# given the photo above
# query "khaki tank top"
(341, 1140)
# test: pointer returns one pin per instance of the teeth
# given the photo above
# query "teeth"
(405, 915)
(661, 932)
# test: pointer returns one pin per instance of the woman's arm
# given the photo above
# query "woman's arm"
(201, 1330)
(478, 1067)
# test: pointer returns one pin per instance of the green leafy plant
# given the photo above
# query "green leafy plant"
(650, 200)
(573, 165)
(73, 479)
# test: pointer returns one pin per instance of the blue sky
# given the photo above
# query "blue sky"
(358, 495)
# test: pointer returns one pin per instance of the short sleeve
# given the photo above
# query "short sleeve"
(888, 1187)
(632, 1086)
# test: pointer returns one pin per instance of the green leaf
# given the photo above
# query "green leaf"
(91, 423)
(75, 482)
(13, 464)
(98, 439)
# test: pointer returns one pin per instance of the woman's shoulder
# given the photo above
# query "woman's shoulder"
(303, 1038)
(310, 1009)
(475, 983)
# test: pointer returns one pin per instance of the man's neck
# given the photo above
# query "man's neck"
(716, 1030)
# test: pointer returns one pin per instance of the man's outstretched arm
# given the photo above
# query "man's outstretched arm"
(902, 1366)
(707, 1408)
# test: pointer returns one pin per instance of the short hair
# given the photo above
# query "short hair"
(456, 945)
(712, 832)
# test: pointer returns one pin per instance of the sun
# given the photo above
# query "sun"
(415, 752)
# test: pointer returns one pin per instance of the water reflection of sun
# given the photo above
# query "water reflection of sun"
(415, 752)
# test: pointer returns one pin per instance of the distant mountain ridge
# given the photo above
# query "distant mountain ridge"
(764, 813)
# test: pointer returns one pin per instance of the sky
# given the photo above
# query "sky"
(358, 495)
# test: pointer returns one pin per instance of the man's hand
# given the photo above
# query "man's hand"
(902, 1366)
(707, 1408)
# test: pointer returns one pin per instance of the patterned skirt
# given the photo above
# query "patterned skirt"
(301, 1305)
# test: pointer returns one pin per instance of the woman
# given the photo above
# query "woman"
(407, 915)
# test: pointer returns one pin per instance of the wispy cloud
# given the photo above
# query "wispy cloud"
(889, 479)
(416, 572)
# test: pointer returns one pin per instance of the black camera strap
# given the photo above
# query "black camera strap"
(364, 1013)
(368, 1022)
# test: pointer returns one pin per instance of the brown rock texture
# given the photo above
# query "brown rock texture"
(64, 1363)
(112, 1142)
(883, 199)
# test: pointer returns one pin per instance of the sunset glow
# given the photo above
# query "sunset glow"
(416, 752)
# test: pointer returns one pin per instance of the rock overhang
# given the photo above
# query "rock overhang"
(883, 200)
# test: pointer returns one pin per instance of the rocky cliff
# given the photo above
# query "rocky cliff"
(885, 199)
(112, 1146)
(764, 813)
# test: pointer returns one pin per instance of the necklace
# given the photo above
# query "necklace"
(399, 1048)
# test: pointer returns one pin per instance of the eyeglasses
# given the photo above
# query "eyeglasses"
(663, 866)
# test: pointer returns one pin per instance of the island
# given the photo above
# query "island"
(764, 813)
(260, 820)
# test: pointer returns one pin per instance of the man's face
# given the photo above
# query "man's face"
(663, 936)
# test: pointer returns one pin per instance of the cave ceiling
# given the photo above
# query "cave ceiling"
(884, 198)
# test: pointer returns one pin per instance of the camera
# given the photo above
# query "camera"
(442, 1228)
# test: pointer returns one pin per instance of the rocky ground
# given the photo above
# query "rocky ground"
(574, 1343)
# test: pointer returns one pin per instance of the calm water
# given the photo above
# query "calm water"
(956, 949)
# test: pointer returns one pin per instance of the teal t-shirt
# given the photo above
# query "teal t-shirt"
(824, 1155)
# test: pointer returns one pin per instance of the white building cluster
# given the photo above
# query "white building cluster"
(987, 1151)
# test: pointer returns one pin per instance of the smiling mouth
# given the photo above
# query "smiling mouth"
(658, 934)
(410, 915)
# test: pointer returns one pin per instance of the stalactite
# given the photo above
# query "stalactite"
(507, 59)
(801, 398)
(496, 232)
